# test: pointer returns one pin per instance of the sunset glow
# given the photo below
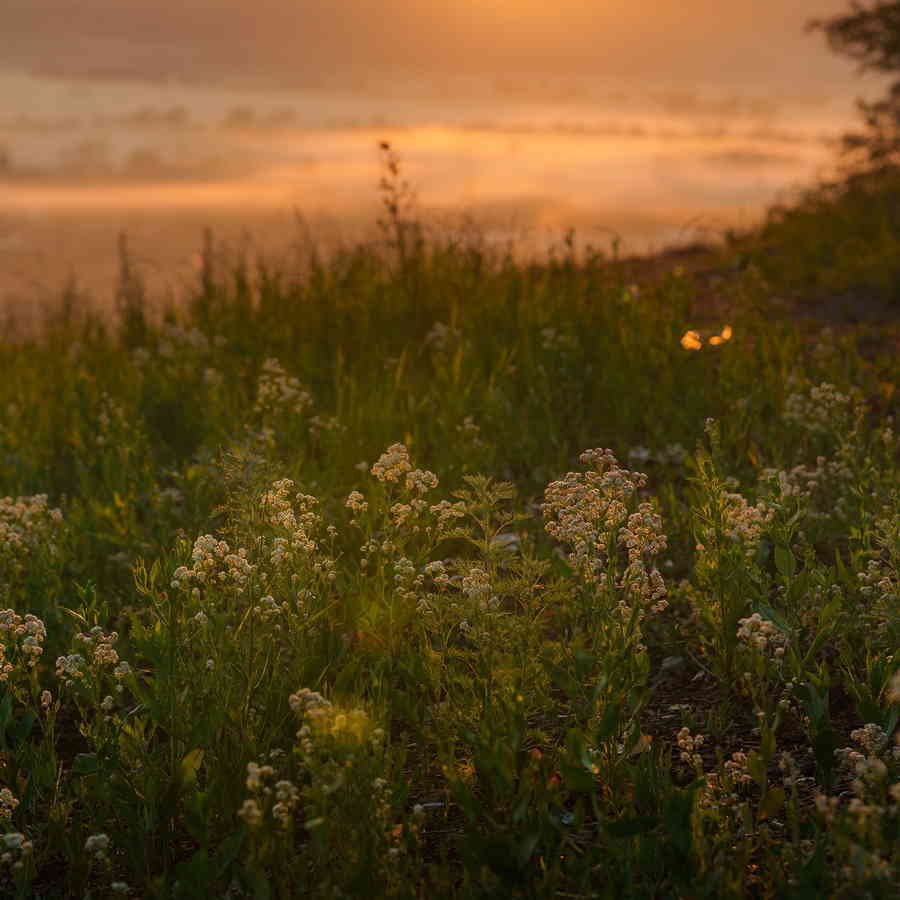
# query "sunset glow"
(388, 505)
(531, 117)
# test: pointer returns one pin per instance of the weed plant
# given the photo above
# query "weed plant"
(314, 587)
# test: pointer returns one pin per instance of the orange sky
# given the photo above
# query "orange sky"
(659, 120)
(299, 41)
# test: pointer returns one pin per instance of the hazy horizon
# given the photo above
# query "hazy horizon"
(660, 126)
(292, 43)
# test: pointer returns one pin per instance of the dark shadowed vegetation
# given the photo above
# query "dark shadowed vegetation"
(419, 571)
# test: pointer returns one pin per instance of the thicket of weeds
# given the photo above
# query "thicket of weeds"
(316, 587)
(837, 245)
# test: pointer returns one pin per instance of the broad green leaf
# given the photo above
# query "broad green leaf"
(785, 561)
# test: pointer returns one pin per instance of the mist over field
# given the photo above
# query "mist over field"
(650, 130)
(298, 43)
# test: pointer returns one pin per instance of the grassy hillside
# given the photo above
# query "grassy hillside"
(316, 586)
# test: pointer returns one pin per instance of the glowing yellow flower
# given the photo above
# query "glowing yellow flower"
(691, 341)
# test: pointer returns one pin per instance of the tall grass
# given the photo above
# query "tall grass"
(329, 617)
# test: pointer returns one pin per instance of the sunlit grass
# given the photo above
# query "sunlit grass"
(335, 603)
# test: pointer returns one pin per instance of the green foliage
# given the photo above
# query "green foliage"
(870, 35)
(257, 654)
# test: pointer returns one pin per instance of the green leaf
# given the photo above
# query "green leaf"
(609, 722)
(520, 810)
(771, 803)
(775, 617)
(228, 851)
(631, 827)
(785, 561)
(85, 764)
(5, 714)
(526, 847)
(261, 888)
(756, 767)
(563, 679)
(576, 778)
(190, 765)
(21, 728)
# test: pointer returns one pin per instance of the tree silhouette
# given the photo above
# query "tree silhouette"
(870, 34)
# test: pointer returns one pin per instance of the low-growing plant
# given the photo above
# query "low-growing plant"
(314, 590)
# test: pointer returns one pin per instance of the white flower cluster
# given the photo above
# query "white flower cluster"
(213, 564)
(122, 671)
(871, 737)
(689, 746)
(447, 513)
(869, 767)
(470, 432)
(893, 689)
(75, 668)
(356, 502)
(296, 517)
(280, 799)
(763, 635)
(586, 509)
(15, 849)
(744, 524)
(185, 337)
(823, 489)
(250, 812)
(287, 797)
(406, 579)
(823, 410)
(736, 767)
(643, 540)
(401, 513)
(476, 585)
(306, 701)
(23, 636)
(437, 572)
(111, 421)
(332, 745)
(269, 608)
(71, 669)
(26, 524)
(97, 845)
(319, 425)
(325, 720)
(671, 455)
(858, 820)
(8, 804)
(301, 521)
(590, 513)
(99, 646)
(173, 337)
(421, 481)
(392, 465)
(553, 341)
(799, 482)
(328, 742)
(879, 582)
(277, 391)
(441, 336)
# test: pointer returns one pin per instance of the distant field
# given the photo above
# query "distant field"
(654, 165)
